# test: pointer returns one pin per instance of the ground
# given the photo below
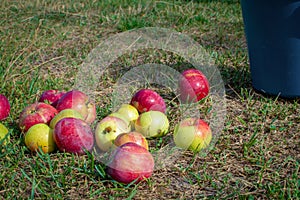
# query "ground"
(43, 44)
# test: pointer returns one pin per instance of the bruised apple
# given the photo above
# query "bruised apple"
(51, 97)
(146, 99)
(193, 134)
(131, 162)
(73, 135)
(36, 113)
(4, 107)
(108, 129)
(80, 102)
(193, 86)
(134, 137)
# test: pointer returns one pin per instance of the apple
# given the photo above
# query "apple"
(152, 124)
(146, 99)
(36, 113)
(131, 162)
(107, 130)
(63, 114)
(128, 113)
(80, 102)
(40, 136)
(193, 86)
(4, 107)
(51, 97)
(134, 137)
(73, 135)
(119, 115)
(193, 134)
(4, 138)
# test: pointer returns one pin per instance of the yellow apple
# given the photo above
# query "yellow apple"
(3, 134)
(64, 114)
(40, 136)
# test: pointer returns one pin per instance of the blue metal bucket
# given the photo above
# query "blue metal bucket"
(272, 29)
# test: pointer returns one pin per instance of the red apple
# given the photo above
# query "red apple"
(4, 107)
(131, 162)
(36, 113)
(73, 135)
(193, 86)
(51, 97)
(192, 134)
(146, 99)
(80, 102)
(134, 137)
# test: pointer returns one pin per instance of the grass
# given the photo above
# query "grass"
(42, 46)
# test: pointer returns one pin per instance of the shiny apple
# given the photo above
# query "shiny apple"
(51, 97)
(80, 102)
(134, 137)
(73, 135)
(36, 113)
(146, 99)
(131, 162)
(152, 124)
(192, 134)
(4, 107)
(193, 86)
(107, 130)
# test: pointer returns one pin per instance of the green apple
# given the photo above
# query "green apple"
(152, 124)
(64, 114)
(107, 130)
(3, 134)
(192, 134)
(40, 136)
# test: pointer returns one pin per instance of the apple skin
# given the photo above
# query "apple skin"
(4, 107)
(36, 113)
(192, 134)
(80, 102)
(193, 86)
(152, 124)
(3, 133)
(146, 99)
(131, 162)
(73, 135)
(63, 114)
(40, 136)
(134, 137)
(51, 97)
(108, 129)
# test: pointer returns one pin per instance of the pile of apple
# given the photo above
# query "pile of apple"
(62, 120)
(59, 120)
(4, 113)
